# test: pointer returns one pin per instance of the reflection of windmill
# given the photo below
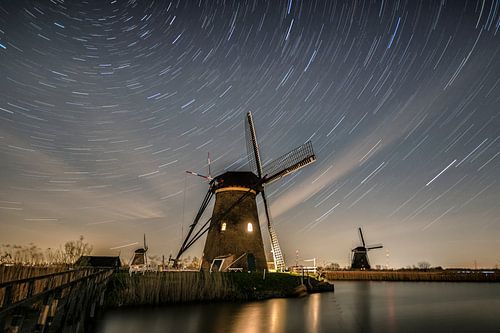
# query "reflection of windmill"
(140, 257)
(360, 253)
(234, 238)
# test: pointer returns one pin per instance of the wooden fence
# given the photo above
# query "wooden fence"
(60, 301)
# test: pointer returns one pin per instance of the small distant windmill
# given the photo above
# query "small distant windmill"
(139, 261)
(360, 253)
(234, 239)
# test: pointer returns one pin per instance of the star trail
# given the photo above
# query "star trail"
(105, 104)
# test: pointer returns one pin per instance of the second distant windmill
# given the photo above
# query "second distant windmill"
(360, 253)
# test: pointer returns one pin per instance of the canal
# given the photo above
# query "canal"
(356, 306)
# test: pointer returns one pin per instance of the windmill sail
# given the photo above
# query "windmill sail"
(290, 162)
(253, 153)
(279, 260)
(190, 238)
(255, 165)
(361, 236)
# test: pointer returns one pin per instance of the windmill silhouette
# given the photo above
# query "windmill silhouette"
(360, 253)
(234, 239)
(139, 261)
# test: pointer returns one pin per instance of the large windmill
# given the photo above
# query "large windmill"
(234, 239)
(360, 253)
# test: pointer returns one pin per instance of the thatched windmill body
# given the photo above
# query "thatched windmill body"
(360, 253)
(234, 238)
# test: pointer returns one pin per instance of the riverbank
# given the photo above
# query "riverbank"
(424, 276)
(155, 288)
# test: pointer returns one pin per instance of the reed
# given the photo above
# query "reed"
(18, 272)
(156, 288)
(426, 276)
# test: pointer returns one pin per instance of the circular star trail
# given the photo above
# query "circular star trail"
(105, 104)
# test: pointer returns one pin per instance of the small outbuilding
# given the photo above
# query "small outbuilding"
(99, 261)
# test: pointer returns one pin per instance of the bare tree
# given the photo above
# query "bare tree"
(75, 249)
(332, 267)
(423, 265)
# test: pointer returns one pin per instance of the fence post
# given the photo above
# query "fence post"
(15, 324)
(7, 299)
(44, 313)
(52, 310)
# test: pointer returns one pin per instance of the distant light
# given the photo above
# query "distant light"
(249, 227)
(223, 227)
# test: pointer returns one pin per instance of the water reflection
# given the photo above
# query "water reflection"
(312, 319)
(354, 307)
(278, 310)
(363, 306)
(391, 308)
(252, 318)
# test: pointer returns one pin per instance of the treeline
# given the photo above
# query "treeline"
(31, 254)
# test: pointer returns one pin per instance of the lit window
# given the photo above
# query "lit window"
(223, 227)
(249, 227)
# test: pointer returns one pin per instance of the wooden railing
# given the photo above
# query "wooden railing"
(53, 301)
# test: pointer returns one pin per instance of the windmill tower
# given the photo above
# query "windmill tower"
(360, 253)
(234, 239)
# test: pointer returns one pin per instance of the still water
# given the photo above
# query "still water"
(354, 307)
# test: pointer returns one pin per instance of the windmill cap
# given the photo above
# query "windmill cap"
(237, 179)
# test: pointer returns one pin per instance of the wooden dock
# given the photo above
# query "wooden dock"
(63, 301)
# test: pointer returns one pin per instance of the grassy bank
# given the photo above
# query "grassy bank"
(178, 287)
(429, 276)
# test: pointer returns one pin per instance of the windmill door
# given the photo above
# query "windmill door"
(251, 262)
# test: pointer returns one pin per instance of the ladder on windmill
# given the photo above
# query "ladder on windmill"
(279, 261)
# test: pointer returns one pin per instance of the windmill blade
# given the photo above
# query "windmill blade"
(253, 153)
(188, 241)
(376, 246)
(208, 162)
(361, 236)
(199, 175)
(279, 261)
(145, 246)
(290, 162)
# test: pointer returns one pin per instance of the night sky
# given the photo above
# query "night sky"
(105, 104)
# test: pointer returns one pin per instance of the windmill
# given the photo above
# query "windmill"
(360, 253)
(139, 261)
(234, 239)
